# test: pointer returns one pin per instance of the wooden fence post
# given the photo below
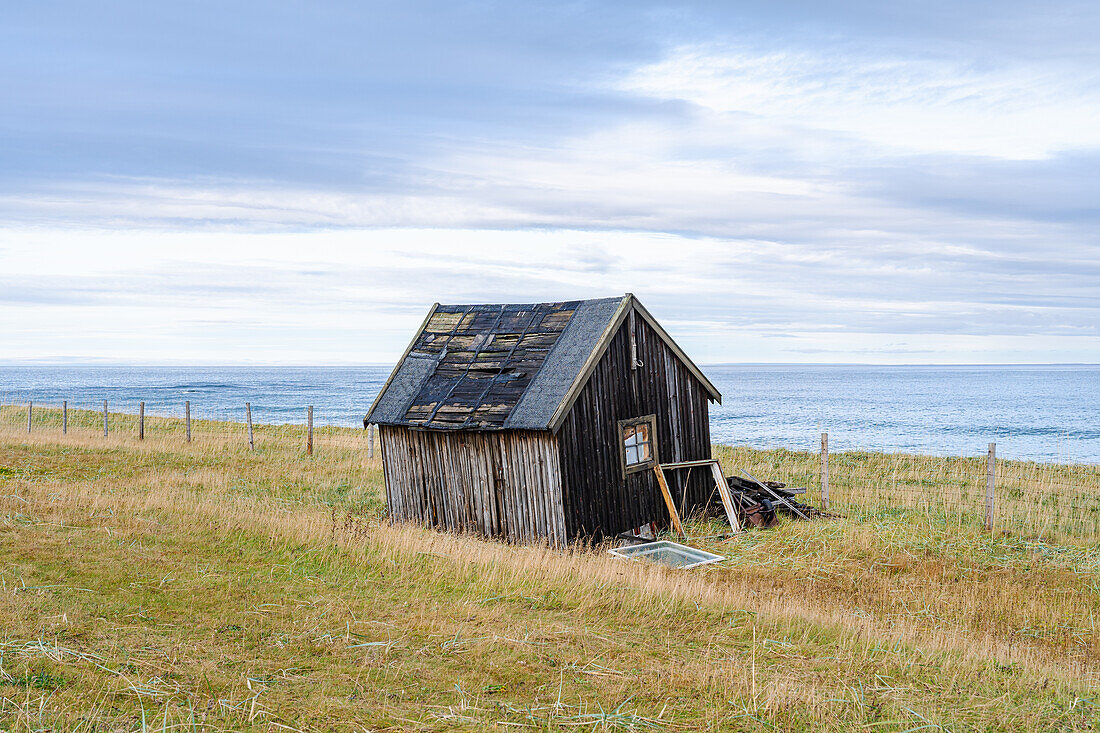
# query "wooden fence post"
(187, 418)
(30, 407)
(104, 418)
(309, 430)
(141, 421)
(248, 417)
(370, 441)
(825, 471)
(64, 416)
(990, 474)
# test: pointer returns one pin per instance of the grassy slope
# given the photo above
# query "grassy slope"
(158, 584)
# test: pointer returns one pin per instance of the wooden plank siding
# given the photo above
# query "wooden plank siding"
(597, 499)
(496, 483)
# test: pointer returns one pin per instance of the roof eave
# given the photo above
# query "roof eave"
(408, 349)
(712, 391)
(628, 302)
(590, 364)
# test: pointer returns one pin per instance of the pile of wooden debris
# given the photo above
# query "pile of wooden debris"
(759, 503)
(748, 502)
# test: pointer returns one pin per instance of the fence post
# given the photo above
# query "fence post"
(141, 421)
(104, 418)
(825, 471)
(187, 418)
(990, 473)
(248, 417)
(309, 431)
(370, 441)
(64, 417)
(30, 407)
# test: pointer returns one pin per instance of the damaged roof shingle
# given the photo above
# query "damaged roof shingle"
(486, 367)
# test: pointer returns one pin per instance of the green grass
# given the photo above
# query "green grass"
(159, 585)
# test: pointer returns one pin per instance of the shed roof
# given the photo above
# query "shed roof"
(504, 366)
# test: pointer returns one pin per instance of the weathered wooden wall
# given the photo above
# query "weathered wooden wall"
(598, 499)
(498, 483)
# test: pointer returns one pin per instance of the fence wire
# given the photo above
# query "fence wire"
(1048, 500)
(1055, 502)
(228, 426)
(1044, 500)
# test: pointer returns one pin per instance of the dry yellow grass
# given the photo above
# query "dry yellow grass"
(161, 585)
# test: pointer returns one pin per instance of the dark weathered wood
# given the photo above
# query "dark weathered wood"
(187, 418)
(248, 419)
(627, 312)
(675, 349)
(598, 499)
(141, 421)
(825, 471)
(64, 417)
(309, 430)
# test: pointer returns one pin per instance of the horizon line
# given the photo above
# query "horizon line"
(353, 365)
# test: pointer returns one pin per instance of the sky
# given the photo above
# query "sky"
(291, 182)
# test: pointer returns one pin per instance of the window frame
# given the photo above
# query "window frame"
(649, 421)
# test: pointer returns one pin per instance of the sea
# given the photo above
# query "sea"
(1047, 413)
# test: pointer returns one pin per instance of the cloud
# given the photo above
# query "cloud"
(343, 296)
(774, 180)
(898, 105)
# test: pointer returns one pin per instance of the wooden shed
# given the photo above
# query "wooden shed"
(542, 421)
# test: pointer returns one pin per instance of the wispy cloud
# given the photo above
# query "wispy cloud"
(845, 98)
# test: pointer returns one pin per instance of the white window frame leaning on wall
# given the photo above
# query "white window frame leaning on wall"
(631, 447)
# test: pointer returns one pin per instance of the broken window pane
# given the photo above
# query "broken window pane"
(638, 448)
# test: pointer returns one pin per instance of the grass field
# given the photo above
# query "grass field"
(159, 585)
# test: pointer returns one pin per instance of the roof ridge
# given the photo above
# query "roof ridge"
(477, 369)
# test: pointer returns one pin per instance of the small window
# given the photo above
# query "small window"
(639, 443)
